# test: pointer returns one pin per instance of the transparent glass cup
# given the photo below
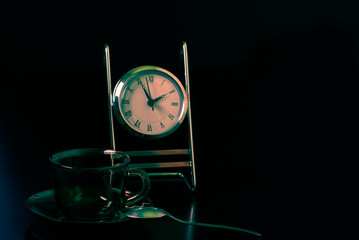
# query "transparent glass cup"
(89, 184)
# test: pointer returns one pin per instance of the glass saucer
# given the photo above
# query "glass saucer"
(42, 205)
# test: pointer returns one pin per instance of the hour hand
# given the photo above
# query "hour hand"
(160, 97)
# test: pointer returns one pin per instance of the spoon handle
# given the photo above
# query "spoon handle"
(214, 225)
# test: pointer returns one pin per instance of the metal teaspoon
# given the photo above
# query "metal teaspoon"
(153, 212)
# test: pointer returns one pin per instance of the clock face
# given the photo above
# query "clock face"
(150, 102)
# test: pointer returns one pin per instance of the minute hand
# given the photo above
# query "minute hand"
(144, 89)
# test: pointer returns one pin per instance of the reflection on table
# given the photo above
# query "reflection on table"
(174, 197)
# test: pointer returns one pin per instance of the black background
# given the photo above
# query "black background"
(273, 85)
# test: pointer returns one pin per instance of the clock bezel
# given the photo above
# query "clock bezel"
(120, 87)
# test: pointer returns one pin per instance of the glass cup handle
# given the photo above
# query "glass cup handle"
(146, 186)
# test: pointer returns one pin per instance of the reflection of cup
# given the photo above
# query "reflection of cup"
(89, 184)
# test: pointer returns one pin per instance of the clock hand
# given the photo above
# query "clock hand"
(159, 98)
(144, 89)
(150, 102)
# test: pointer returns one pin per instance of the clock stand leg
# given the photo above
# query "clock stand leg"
(109, 96)
(189, 112)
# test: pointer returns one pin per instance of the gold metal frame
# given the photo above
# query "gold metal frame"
(171, 152)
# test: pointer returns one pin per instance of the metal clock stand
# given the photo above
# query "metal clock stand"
(153, 166)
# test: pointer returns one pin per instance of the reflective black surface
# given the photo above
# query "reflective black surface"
(236, 194)
(178, 200)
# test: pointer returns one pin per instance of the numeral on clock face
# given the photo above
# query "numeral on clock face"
(138, 123)
(149, 128)
(128, 114)
(171, 116)
(149, 79)
(138, 81)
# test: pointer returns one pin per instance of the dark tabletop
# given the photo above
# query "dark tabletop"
(278, 206)
(232, 204)
(175, 198)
